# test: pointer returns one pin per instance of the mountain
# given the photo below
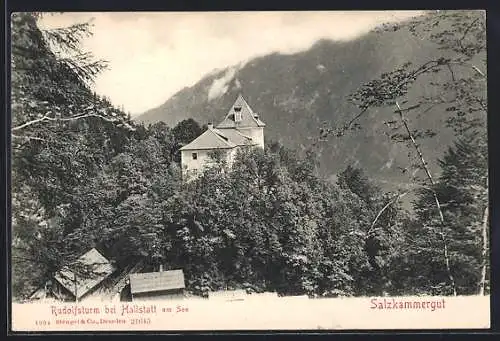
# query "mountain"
(296, 94)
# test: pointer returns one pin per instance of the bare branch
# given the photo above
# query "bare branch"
(392, 201)
(73, 118)
(478, 71)
(354, 119)
(451, 72)
(409, 78)
(410, 108)
(484, 251)
(463, 64)
(438, 204)
(465, 33)
(29, 137)
(45, 117)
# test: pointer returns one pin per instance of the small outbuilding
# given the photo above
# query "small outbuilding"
(78, 280)
(157, 285)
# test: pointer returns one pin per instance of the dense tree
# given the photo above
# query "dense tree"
(463, 191)
(85, 175)
(62, 133)
(271, 224)
(380, 236)
(183, 133)
(456, 84)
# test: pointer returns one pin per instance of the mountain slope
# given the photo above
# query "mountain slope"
(297, 94)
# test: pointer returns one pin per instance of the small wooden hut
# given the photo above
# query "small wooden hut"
(157, 285)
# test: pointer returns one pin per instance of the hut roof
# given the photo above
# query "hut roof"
(89, 270)
(156, 281)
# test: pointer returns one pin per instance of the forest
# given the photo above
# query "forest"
(84, 174)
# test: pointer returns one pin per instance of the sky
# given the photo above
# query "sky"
(152, 55)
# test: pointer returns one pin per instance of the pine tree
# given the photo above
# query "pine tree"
(61, 135)
(463, 190)
(458, 84)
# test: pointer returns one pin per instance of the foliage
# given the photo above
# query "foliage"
(62, 134)
(84, 175)
(183, 133)
(443, 257)
(463, 191)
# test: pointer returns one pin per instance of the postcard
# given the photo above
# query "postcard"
(205, 171)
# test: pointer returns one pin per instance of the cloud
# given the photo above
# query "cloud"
(154, 55)
(220, 85)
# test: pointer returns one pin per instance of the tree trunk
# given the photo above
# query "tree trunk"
(392, 201)
(441, 233)
(76, 287)
(484, 253)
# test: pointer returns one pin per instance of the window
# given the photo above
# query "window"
(237, 114)
(195, 156)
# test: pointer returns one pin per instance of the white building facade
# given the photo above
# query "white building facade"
(240, 128)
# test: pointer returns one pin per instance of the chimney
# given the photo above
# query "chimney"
(210, 126)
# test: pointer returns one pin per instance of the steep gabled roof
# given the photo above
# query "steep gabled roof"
(235, 136)
(91, 269)
(248, 117)
(210, 139)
